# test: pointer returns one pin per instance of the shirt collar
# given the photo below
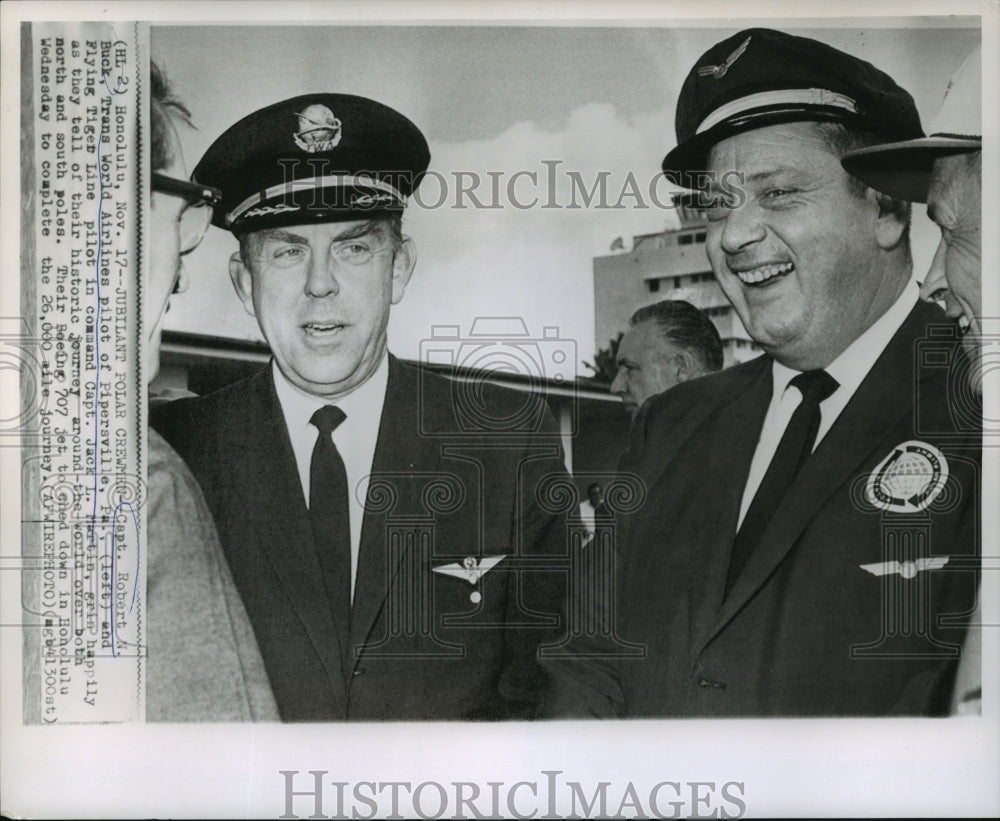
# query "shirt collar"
(364, 402)
(852, 366)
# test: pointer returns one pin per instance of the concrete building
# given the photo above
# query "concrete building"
(672, 264)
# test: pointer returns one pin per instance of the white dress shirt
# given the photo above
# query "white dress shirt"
(849, 369)
(355, 438)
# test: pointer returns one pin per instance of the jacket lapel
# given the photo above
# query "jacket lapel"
(402, 448)
(733, 409)
(280, 524)
(735, 433)
(882, 399)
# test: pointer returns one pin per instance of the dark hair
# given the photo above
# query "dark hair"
(683, 324)
(164, 107)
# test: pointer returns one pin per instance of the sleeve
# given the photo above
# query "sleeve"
(203, 661)
(585, 672)
(967, 694)
(534, 605)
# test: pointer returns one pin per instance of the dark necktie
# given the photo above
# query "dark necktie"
(794, 448)
(331, 521)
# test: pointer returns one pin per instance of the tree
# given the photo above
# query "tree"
(605, 364)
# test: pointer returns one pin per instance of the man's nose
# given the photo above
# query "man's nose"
(935, 285)
(618, 384)
(182, 283)
(321, 279)
(742, 226)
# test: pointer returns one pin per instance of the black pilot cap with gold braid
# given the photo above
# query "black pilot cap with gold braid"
(314, 158)
(763, 77)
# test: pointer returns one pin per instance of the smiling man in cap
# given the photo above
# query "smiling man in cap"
(800, 503)
(381, 580)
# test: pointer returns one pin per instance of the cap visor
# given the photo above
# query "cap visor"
(307, 206)
(685, 164)
(903, 169)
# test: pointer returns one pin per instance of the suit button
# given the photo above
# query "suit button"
(707, 682)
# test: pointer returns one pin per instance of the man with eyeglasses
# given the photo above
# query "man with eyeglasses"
(203, 660)
(391, 552)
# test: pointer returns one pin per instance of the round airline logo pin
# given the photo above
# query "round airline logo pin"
(319, 129)
(908, 479)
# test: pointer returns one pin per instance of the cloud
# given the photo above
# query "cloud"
(513, 232)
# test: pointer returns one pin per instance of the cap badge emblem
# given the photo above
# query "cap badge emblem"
(319, 129)
(719, 71)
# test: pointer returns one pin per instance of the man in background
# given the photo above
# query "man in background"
(592, 507)
(944, 170)
(667, 343)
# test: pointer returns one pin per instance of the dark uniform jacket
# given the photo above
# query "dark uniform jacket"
(448, 488)
(806, 630)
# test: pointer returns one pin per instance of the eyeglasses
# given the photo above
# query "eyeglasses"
(196, 216)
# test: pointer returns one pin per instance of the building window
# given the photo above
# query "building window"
(699, 237)
(677, 282)
(685, 239)
(653, 285)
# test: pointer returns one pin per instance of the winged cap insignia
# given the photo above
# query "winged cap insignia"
(719, 71)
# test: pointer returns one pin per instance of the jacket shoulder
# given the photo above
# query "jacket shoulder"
(185, 421)
(467, 402)
(706, 391)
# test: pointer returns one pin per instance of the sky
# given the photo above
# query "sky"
(549, 100)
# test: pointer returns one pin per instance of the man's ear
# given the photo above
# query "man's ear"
(402, 268)
(685, 366)
(893, 219)
(242, 281)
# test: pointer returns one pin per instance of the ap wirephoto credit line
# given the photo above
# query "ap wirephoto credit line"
(83, 605)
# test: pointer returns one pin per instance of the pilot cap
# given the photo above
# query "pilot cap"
(311, 159)
(762, 77)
